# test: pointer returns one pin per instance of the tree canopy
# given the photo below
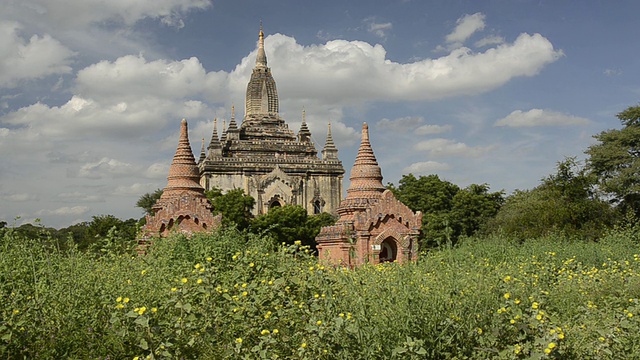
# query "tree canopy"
(565, 202)
(448, 211)
(234, 206)
(146, 201)
(291, 223)
(615, 161)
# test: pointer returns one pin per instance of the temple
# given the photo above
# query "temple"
(374, 226)
(266, 159)
(183, 207)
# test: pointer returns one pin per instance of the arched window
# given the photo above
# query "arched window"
(388, 251)
(317, 207)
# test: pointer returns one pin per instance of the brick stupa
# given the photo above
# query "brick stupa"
(374, 226)
(183, 207)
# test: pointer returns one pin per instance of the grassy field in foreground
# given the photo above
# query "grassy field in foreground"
(232, 295)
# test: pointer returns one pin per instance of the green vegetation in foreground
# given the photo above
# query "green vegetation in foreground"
(236, 295)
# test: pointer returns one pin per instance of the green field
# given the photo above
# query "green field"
(232, 295)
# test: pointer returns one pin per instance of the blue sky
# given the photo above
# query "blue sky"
(497, 92)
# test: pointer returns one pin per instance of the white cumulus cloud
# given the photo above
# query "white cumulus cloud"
(466, 26)
(447, 147)
(82, 13)
(432, 129)
(341, 71)
(20, 197)
(66, 211)
(425, 167)
(377, 28)
(539, 117)
(37, 57)
(403, 124)
(105, 168)
(489, 40)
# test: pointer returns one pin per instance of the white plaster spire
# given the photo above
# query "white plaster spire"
(261, 59)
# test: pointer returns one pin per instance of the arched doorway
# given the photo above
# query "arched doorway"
(388, 250)
(274, 204)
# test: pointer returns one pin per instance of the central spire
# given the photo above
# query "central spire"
(262, 95)
(261, 59)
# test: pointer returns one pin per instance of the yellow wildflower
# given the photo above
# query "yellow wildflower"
(184, 280)
(239, 340)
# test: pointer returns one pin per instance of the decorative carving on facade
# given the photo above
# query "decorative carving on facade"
(265, 158)
(374, 226)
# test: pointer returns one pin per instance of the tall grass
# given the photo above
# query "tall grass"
(235, 295)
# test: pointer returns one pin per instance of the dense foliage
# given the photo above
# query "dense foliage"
(565, 202)
(290, 224)
(615, 160)
(146, 201)
(236, 295)
(234, 206)
(85, 236)
(448, 211)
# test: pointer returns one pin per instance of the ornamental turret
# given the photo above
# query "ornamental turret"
(330, 151)
(215, 148)
(304, 135)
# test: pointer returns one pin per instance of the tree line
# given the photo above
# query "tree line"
(580, 200)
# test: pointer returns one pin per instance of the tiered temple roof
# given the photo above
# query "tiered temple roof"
(263, 143)
(183, 207)
(373, 225)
